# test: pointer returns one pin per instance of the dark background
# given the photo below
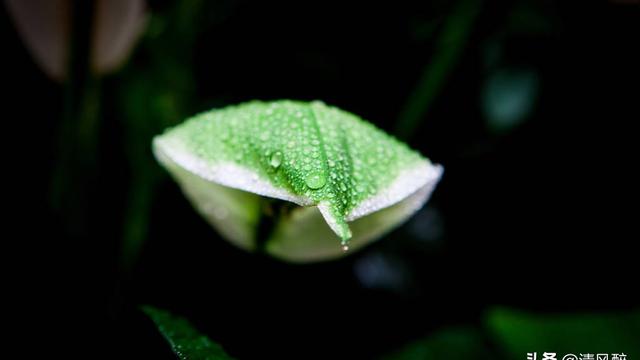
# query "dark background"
(536, 212)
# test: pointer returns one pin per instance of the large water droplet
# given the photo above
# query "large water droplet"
(345, 245)
(315, 180)
(276, 159)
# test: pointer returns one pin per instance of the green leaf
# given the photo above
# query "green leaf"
(332, 164)
(184, 339)
(464, 343)
(520, 332)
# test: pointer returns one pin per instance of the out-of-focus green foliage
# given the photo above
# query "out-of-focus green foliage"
(512, 334)
(453, 343)
(519, 332)
(508, 99)
(185, 340)
(449, 47)
(155, 93)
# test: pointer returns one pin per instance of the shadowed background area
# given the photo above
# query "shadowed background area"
(526, 245)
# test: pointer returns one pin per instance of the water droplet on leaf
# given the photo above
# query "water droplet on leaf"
(276, 159)
(315, 180)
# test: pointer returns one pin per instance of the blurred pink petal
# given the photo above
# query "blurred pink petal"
(43, 26)
(118, 25)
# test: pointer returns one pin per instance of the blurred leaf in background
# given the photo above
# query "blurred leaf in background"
(508, 98)
(455, 343)
(512, 334)
(518, 333)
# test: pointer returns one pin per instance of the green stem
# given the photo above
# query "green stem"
(136, 220)
(78, 132)
(448, 49)
(148, 108)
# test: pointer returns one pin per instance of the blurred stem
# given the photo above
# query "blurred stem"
(137, 217)
(78, 132)
(450, 44)
(153, 96)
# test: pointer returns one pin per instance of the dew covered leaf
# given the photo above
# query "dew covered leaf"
(329, 162)
(186, 342)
